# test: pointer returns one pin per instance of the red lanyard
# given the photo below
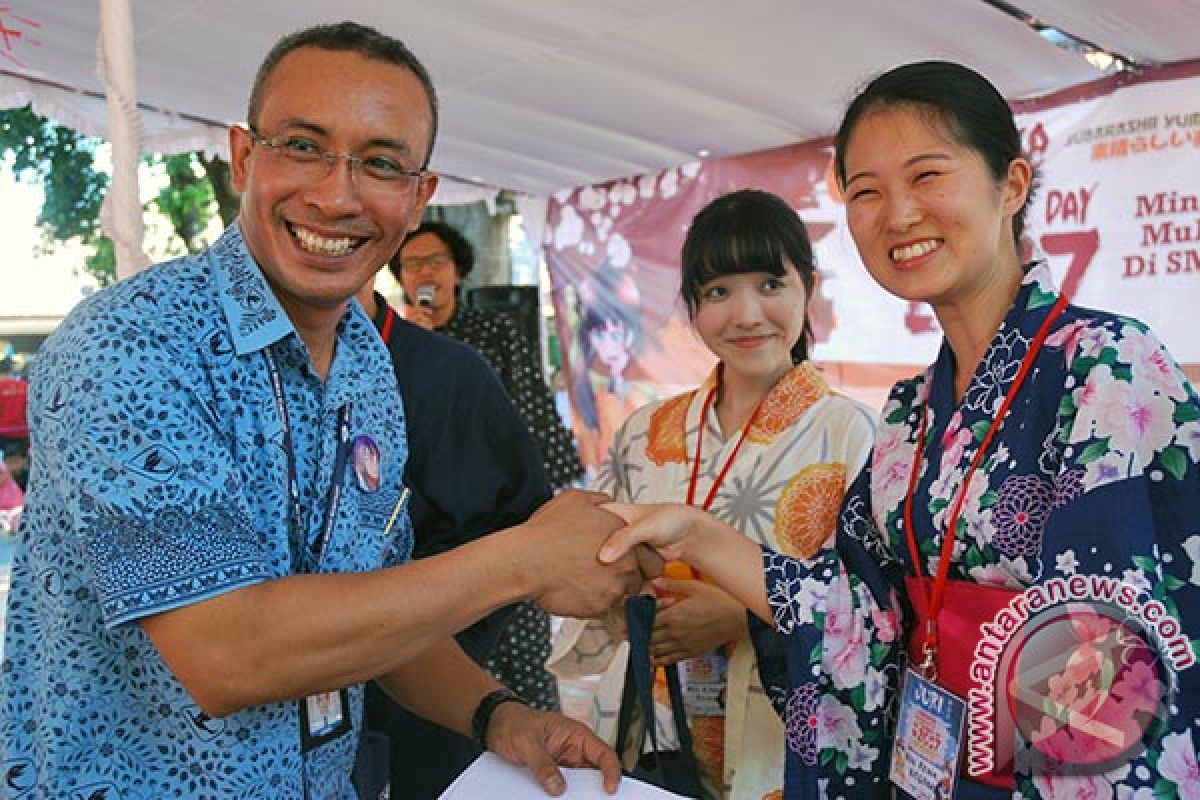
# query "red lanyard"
(935, 596)
(712, 492)
(385, 332)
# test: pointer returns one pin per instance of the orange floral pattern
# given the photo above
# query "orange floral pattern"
(708, 743)
(808, 506)
(666, 438)
(804, 446)
(795, 394)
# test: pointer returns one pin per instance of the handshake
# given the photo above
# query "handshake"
(560, 560)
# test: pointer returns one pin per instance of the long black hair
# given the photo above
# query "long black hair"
(747, 231)
(972, 110)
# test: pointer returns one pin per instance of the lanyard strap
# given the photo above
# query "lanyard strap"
(712, 492)
(935, 595)
(385, 332)
(311, 561)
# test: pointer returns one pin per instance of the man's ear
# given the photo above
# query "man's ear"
(425, 190)
(240, 145)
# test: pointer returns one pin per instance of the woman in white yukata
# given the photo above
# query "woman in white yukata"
(1050, 454)
(762, 444)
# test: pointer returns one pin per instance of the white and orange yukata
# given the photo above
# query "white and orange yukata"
(783, 489)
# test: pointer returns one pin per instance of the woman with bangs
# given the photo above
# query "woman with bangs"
(762, 444)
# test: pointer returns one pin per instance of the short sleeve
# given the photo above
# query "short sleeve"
(143, 474)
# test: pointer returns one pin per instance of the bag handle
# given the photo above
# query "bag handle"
(639, 682)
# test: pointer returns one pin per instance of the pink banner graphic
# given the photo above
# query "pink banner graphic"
(1116, 216)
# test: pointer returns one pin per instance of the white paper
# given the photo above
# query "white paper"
(491, 776)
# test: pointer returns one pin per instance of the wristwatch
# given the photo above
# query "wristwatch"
(483, 713)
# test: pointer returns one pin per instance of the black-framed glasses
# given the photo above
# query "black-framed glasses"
(308, 161)
(437, 261)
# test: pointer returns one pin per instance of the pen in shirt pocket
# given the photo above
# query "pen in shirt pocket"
(387, 529)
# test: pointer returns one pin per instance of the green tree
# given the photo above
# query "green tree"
(62, 160)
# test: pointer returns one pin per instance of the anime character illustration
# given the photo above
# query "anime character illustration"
(609, 338)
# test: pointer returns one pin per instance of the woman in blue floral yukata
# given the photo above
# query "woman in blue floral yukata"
(1059, 444)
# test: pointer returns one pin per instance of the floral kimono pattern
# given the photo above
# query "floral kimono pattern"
(783, 490)
(1094, 472)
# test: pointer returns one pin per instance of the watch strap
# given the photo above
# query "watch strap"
(482, 717)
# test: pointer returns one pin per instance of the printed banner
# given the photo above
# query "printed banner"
(1116, 216)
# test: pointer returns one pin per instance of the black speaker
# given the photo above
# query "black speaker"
(520, 303)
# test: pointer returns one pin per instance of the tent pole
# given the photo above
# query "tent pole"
(121, 213)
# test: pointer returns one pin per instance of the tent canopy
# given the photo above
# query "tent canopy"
(538, 95)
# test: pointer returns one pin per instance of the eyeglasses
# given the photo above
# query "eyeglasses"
(308, 162)
(437, 262)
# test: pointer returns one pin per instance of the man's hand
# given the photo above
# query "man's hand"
(419, 315)
(564, 537)
(693, 618)
(614, 622)
(544, 741)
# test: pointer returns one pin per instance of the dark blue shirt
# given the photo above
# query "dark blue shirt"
(473, 468)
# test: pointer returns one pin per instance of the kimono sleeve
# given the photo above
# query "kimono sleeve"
(836, 620)
(1125, 507)
(140, 471)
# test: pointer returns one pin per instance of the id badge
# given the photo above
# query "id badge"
(929, 735)
(323, 718)
(703, 682)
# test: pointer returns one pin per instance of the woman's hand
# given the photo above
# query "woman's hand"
(693, 618)
(662, 526)
(682, 533)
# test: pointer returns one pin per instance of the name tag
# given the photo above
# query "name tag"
(928, 739)
(323, 718)
(703, 682)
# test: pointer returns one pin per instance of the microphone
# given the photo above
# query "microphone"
(425, 293)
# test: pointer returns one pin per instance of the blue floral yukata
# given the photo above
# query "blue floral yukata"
(1094, 472)
(160, 479)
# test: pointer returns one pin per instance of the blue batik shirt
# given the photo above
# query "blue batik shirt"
(160, 480)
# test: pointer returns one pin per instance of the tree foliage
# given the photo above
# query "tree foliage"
(62, 161)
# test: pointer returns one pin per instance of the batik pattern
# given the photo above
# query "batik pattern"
(159, 481)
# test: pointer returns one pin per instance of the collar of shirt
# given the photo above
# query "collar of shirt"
(252, 312)
(256, 320)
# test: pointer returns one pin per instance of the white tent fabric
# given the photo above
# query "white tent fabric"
(121, 213)
(539, 95)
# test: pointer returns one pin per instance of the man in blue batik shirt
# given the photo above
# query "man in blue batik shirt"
(213, 554)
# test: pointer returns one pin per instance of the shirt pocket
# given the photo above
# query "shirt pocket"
(384, 531)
